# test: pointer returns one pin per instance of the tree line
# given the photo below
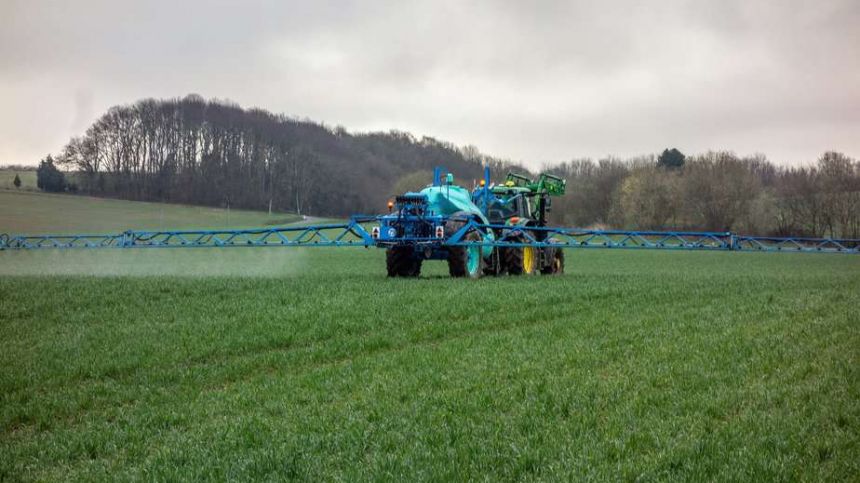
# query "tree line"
(715, 191)
(215, 153)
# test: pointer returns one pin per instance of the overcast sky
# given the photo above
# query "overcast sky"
(531, 81)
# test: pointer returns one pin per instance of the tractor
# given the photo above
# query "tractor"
(517, 204)
(482, 232)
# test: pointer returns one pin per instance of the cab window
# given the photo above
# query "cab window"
(500, 211)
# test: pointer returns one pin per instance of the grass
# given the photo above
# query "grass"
(309, 364)
(28, 212)
(28, 179)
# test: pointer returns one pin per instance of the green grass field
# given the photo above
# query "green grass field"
(28, 212)
(309, 364)
(28, 179)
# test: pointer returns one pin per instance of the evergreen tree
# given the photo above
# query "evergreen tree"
(671, 159)
(48, 177)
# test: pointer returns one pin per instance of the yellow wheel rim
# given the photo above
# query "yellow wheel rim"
(529, 260)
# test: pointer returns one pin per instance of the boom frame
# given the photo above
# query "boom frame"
(356, 232)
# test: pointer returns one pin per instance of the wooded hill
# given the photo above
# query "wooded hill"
(213, 153)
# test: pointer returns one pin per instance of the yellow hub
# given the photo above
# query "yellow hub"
(529, 260)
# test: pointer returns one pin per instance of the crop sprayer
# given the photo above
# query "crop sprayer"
(494, 229)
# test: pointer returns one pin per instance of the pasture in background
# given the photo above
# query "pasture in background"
(26, 212)
(27, 177)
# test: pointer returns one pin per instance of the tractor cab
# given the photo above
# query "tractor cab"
(519, 199)
(508, 203)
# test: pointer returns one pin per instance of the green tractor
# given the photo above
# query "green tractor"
(522, 202)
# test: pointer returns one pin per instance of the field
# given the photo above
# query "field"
(28, 179)
(309, 364)
(31, 212)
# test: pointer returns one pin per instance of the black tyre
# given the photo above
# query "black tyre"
(415, 268)
(401, 262)
(520, 260)
(464, 261)
(555, 257)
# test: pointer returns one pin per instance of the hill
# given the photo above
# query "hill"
(209, 152)
(30, 212)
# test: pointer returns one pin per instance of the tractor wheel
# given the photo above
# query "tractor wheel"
(464, 261)
(556, 257)
(401, 262)
(415, 268)
(521, 260)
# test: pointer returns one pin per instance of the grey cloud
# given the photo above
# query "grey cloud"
(536, 81)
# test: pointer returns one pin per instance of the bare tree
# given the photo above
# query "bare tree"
(718, 190)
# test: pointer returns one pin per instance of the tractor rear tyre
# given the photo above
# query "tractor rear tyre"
(555, 256)
(464, 261)
(520, 260)
(401, 262)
